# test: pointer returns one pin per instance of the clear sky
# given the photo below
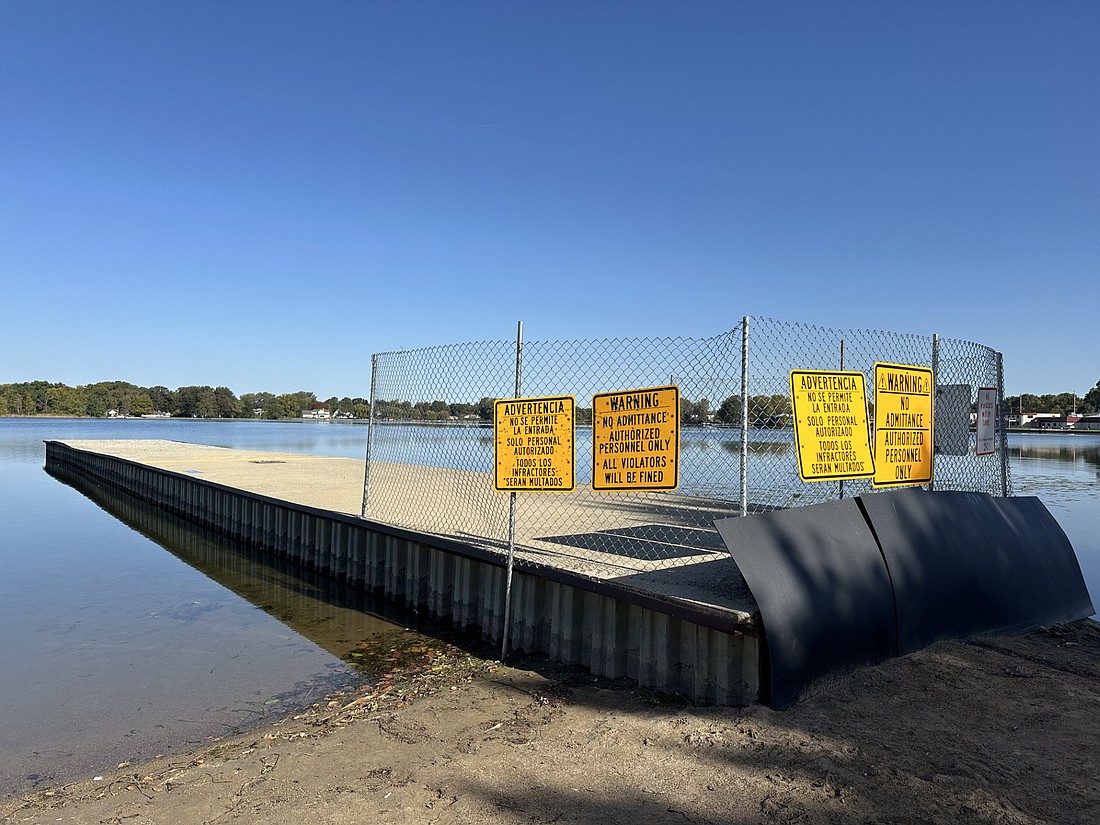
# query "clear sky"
(261, 194)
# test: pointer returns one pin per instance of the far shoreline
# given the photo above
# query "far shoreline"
(392, 421)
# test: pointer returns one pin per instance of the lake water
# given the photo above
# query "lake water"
(112, 649)
(1064, 472)
(125, 633)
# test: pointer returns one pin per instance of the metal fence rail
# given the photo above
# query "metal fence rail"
(736, 445)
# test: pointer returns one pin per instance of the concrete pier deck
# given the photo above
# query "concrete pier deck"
(686, 622)
(704, 575)
(313, 480)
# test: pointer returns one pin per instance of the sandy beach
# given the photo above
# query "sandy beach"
(997, 730)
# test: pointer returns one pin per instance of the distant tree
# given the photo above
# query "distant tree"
(397, 410)
(305, 400)
(702, 410)
(694, 412)
(141, 404)
(349, 406)
(729, 412)
(1091, 401)
(11, 400)
(283, 406)
(765, 411)
(97, 401)
(769, 411)
(1060, 403)
(197, 402)
(36, 397)
(164, 400)
(226, 404)
(252, 401)
(1031, 403)
(65, 400)
(272, 408)
(116, 395)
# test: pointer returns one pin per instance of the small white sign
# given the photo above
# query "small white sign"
(986, 439)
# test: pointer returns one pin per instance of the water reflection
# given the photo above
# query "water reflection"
(332, 614)
(1063, 470)
(1074, 451)
(758, 447)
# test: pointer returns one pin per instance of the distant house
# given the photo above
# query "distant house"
(1053, 421)
(320, 412)
(1087, 422)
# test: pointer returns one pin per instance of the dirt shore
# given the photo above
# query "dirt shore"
(1000, 730)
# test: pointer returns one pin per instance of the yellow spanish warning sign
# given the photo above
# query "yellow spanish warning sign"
(533, 450)
(831, 436)
(636, 439)
(903, 425)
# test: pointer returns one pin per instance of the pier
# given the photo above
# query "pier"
(689, 627)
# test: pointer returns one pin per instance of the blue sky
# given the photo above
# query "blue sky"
(261, 194)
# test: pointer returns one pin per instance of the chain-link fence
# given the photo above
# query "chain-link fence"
(431, 444)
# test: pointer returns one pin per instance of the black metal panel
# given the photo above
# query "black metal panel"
(853, 582)
(966, 564)
(824, 595)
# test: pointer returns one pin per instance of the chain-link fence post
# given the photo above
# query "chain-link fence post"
(511, 512)
(935, 384)
(841, 482)
(745, 416)
(365, 512)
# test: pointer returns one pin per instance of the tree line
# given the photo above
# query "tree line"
(121, 398)
(1059, 404)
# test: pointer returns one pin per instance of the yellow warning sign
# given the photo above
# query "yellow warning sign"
(636, 439)
(533, 450)
(903, 425)
(831, 436)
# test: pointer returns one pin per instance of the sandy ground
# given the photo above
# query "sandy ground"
(1001, 730)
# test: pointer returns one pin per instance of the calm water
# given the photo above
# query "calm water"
(112, 649)
(1064, 472)
(125, 633)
